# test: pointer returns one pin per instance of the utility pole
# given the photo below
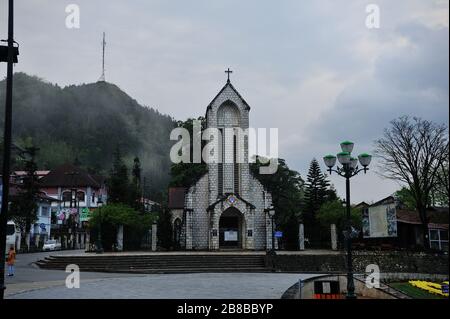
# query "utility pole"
(6, 147)
(102, 77)
(73, 204)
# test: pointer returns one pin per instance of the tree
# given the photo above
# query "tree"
(441, 191)
(24, 206)
(413, 151)
(406, 198)
(135, 187)
(286, 187)
(333, 212)
(185, 174)
(112, 215)
(316, 194)
(118, 183)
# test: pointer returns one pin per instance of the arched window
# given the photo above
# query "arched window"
(228, 115)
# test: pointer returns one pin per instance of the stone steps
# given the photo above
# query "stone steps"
(159, 263)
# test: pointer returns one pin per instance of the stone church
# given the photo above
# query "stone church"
(227, 207)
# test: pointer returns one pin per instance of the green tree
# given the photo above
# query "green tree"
(136, 186)
(286, 187)
(317, 192)
(118, 183)
(406, 198)
(24, 206)
(111, 216)
(185, 174)
(333, 212)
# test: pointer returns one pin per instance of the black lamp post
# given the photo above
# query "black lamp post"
(348, 170)
(99, 249)
(272, 217)
(7, 54)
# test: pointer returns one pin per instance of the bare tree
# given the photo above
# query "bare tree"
(413, 151)
(441, 192)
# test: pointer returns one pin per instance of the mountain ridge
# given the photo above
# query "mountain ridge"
(86, 123)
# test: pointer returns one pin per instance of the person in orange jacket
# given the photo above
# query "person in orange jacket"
(11, 260)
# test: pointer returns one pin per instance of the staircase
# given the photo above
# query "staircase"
(153, 264)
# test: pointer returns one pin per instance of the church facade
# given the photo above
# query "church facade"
(227, 207)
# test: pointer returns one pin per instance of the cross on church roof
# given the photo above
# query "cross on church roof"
(228, 72)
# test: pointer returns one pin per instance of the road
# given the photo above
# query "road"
(31, 282)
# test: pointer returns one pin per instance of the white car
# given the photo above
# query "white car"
(51, 245)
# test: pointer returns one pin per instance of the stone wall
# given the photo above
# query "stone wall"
(388, 262)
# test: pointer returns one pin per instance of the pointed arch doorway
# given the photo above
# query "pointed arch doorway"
(231, 225)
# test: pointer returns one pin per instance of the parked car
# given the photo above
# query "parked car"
(51, 245)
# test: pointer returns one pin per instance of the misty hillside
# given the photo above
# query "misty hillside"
(86, 123)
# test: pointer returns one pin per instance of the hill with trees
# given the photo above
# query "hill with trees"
(85, 124)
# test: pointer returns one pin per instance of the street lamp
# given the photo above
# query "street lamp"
(99, 249)
(272, 216)
(348, 170)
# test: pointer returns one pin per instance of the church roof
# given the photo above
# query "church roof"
(224, 197)
(228, 84)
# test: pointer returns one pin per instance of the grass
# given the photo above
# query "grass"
(414, 292)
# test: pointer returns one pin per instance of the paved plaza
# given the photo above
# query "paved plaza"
(31, 282)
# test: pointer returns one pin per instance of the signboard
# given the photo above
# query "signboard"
(85, 215)
(327, 289)
(231, 236)
(278, 234)
(380, 221)
(61, 216)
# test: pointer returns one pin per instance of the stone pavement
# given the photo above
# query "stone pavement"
(173, 286)
(31, 282)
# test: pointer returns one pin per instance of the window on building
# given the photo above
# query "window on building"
(44, 211)
(80, 196)
(66, 196)
(439, 239)
(93, 197)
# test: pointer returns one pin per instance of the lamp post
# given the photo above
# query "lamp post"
(348, 170)
(7, 54)
(272, 217)
(99, 249)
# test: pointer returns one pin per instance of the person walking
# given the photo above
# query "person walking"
(11, 260)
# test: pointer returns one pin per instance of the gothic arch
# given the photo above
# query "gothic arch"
(228, 115)
(232, 226)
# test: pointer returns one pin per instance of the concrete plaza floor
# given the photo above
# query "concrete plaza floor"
(31, 282)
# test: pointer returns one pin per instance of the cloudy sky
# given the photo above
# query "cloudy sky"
(310, 68)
